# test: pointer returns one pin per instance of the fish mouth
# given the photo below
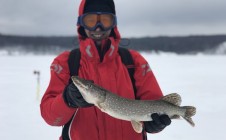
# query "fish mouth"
(77, 81)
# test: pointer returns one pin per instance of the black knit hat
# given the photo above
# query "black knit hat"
(99, 6)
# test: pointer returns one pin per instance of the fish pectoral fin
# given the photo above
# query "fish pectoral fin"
(137, 126)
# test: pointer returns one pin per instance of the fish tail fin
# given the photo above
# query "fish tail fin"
(190, 111)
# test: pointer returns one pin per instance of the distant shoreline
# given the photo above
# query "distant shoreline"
(177, 44)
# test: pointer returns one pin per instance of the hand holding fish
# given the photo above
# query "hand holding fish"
(73, 97)
(158, 123)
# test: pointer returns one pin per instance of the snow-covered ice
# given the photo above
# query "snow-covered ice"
(199, 79)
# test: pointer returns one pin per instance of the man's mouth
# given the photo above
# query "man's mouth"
(99, 35)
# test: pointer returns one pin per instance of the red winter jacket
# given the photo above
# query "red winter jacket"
(90, 123)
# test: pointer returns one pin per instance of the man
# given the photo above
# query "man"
(62, 103)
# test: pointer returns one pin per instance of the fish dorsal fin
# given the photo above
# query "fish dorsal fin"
(172, 98)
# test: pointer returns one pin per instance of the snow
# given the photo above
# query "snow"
(221, 49)
(199, 79)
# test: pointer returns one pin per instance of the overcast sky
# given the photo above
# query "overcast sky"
(136, 18)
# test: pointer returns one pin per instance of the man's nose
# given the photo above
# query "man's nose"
(98, 29)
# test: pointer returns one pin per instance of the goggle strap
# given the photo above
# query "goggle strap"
(79, 20)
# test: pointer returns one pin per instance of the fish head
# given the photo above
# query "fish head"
(91, 93)
(81, 84)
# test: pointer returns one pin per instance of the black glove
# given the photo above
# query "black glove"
(158, 123)
(73, 97)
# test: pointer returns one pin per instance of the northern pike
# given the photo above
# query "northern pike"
(132, 110)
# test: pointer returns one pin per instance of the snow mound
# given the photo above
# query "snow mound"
(221, 49)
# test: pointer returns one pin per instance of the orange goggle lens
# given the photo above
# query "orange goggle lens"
(91, 20)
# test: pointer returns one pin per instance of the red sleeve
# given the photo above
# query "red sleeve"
(146, 83)
(53, 108)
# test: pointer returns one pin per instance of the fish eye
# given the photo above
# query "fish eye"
(89, 85)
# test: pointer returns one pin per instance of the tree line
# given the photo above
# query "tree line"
(56, 44)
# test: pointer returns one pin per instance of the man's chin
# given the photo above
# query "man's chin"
(98, 38)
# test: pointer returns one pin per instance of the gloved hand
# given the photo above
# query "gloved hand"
(158, 123)
(73, 97)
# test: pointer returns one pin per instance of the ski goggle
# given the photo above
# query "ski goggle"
(91, 21)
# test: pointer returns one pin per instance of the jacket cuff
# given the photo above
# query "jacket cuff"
(62, 107)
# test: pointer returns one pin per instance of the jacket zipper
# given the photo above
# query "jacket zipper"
(69, 130)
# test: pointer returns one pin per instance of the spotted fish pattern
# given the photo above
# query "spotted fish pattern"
(135, 111)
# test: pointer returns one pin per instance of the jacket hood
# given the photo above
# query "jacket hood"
(81, 33)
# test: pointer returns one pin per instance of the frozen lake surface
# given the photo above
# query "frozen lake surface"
(199, 79)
